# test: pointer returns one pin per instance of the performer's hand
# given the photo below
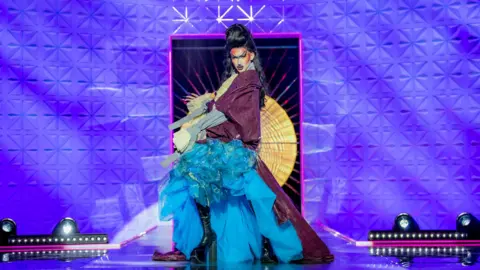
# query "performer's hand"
(189, 98)
(193, 101)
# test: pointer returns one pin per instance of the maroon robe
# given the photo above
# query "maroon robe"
(240, 103)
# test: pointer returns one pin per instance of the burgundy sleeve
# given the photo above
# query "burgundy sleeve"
(244, 113)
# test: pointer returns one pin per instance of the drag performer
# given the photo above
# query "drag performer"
(220, 195)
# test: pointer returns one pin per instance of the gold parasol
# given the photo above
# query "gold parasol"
(278, 147)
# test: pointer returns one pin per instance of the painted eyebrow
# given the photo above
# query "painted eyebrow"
(240, 56)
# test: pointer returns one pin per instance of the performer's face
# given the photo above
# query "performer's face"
(241, 58)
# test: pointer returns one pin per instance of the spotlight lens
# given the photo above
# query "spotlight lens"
(466, 221)
(404, 223)
(7, 227)
(67, 228)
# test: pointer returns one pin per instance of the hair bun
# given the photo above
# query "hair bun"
(237, 35)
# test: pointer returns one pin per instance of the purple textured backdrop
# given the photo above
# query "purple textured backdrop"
(392, 102)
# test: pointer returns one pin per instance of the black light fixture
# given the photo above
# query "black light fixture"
(66, 227)
(468, 224)
(405, 223)
(406, 228)
(8, 228)
(66, 232)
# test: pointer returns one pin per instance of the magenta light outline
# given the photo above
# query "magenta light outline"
(60, 247)
(300, 128)
(222, 36)
(138, 236)
(419, 243)
(170, 93)
(170, 90)
(337, 234)
(255, 35)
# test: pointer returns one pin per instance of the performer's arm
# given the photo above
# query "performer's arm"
(195, 104)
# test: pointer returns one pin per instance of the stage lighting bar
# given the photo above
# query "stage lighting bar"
(406, 228)
(420, 251)
(66, 232)
(420, 235)
(78, 239)
(51, 254)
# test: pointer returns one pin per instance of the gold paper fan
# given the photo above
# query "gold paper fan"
(278, 147)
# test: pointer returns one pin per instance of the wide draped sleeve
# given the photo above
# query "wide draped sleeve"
(244, 112)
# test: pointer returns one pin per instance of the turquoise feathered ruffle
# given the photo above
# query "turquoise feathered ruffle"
(209, 166)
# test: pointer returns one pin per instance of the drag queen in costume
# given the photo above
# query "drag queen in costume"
(223, 199)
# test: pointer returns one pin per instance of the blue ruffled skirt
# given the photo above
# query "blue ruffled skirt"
(223, 176)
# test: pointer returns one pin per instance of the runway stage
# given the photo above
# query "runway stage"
(351, 255)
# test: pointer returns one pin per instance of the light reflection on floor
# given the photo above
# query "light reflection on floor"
(137, 255)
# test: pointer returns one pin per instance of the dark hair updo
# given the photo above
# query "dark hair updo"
(238, 36)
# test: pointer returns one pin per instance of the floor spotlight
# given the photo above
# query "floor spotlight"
(8, 228)
(405, 223)
(66, 227)
(468, 224)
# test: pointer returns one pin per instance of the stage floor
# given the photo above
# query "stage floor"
(137, 255)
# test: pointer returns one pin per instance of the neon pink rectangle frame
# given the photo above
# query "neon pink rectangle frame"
(255, 35)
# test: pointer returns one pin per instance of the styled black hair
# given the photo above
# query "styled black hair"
(238, 36)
